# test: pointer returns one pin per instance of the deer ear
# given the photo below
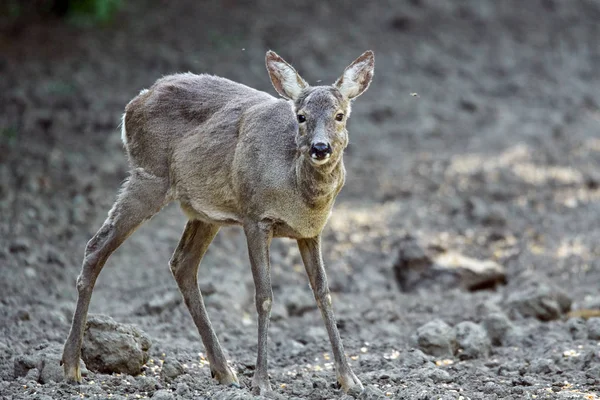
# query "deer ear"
(284, 77)
(357, 76)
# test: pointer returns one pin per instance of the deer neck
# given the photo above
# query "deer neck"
(319, 185)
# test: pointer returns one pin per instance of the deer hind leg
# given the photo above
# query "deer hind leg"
(143, 195)
(186, 259)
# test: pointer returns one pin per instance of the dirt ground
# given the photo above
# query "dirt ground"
(480, 135)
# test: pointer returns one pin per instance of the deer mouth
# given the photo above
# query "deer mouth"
(319, 159)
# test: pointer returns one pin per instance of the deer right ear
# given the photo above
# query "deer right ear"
(357, 76)
(284, 77)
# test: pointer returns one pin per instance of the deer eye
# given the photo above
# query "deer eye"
(301, 118)
(339, 117)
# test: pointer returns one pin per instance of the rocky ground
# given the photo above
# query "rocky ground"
(463, 252)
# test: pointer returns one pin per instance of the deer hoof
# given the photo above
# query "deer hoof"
(227, 378)
(351, 384)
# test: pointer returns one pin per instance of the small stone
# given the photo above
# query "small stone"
(33, 375)
(416, 269)
(163, 395)
(171, 369)
(147, 384)
(540, 300)
(472, 340)
(435, 338)
(111, 347)
(437, 375)
(23, 363)
(593, 328)
(593, 372)
(543, 366)
(183, 389)
(51, 370)
(497, 326)
(414, 358)
(577, 328)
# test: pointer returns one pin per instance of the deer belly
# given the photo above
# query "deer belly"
(210, 214)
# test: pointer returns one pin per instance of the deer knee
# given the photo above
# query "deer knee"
(264, 304)
(83, 283)
(323, 298)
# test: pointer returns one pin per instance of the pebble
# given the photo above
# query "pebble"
(171, 369)
(472, 340)
(435, 338)
(539, 300)
(497, 325)
(593, 328)
(577, 328)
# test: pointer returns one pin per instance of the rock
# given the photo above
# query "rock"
(23, 363)
(435, 338)
(171, 369)
(147, 384)
(160, 303)
(437, 375)
(577, 328)
(414, 358)
(50, 368)
(33, 375)
(539, 300)
(415, 269)
(472, 340)
(111, 347)
(183, 390)
(593, 328)
(497, 326)
(543, 366)
(163, 395)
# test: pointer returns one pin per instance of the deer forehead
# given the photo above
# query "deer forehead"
(321, 100)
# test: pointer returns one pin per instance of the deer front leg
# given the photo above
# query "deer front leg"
(310, 250)
(259, 237)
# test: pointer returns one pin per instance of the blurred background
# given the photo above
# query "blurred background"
(479, 136)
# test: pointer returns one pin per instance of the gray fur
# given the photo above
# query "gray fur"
(231, 155)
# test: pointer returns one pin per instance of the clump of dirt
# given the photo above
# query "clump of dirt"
(478, 136)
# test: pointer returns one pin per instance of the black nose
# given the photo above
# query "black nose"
(320, 150)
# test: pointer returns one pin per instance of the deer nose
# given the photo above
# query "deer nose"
(320, 150)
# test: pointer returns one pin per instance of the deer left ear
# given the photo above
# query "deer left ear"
(357, 76)
(284, 77)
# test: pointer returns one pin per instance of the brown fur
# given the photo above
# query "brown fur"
(231, 155)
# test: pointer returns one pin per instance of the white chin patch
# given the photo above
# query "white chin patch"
(313, 158)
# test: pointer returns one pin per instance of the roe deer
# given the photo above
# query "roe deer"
(232, 155)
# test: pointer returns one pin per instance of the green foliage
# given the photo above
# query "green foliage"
(78, 12)
(91, 12)
(8, 135)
